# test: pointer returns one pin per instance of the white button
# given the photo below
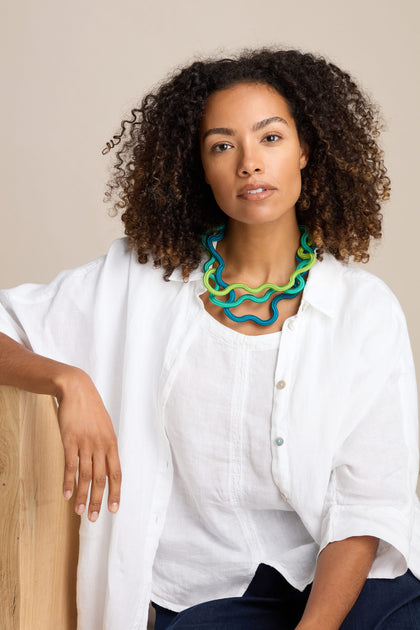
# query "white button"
(279, 441)
(291, 325)
(304, 305)
(281, 385)
(284, 496)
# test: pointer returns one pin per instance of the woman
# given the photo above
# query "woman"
(264, 395)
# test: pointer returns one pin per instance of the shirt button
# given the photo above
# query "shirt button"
(281, 385)
(279, 441)
(284, 496)
(291, 325)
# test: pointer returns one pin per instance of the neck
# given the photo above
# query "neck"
(260, 253)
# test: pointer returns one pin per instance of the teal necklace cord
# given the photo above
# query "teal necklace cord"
(217, 288)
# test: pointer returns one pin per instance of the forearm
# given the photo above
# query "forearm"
(341, 572)
(86, 429)
(19, 367)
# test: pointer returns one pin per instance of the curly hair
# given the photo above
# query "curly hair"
(158, 181)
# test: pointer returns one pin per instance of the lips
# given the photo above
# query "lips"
(256, 191)
(254, 186)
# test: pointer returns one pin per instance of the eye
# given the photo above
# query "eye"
(272, 137)
(221, 147)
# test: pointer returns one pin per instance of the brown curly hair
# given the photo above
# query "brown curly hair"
(158, 179)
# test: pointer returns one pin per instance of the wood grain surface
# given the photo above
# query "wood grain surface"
(38, 528)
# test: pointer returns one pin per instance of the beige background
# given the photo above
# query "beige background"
(72, 70)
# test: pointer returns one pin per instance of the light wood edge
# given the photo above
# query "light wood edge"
(40, 528)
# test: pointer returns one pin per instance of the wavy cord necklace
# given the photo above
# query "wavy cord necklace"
(217, 288)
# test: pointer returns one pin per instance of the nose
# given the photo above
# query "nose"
(250, 162)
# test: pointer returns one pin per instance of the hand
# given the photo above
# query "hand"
(89, 443)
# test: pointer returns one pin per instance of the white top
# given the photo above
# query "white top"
(226, 513)
(345, 409)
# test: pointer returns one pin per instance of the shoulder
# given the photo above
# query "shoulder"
(367, 294)
(356, 290)
(361, 325)
(356, 307)
(112, 271)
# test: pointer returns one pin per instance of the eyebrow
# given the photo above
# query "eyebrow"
(226, 131)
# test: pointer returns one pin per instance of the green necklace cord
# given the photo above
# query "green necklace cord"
(305, 257)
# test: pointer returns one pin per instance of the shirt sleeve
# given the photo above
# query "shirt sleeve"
(372, 489)
(49, 318)
(61, 320)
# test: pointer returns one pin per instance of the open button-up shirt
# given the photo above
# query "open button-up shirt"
(344, 417)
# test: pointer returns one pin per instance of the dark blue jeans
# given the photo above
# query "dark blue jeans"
(271, 603)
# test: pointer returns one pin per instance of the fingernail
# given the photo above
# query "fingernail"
(94, 516)
(80, 509)
(67, 494)
(114, 507)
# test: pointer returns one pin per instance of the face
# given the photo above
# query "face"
(251, 153)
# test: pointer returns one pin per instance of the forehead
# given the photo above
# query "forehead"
(244, 103)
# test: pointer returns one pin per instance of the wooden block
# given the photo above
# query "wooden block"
(38, 528)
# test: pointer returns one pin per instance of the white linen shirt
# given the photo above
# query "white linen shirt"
(226, 514)
(345, 407)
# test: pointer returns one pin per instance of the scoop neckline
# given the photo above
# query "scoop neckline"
(266, 340)
(220, 331)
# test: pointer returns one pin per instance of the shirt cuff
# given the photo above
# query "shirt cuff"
(9, 328)
(393, 528)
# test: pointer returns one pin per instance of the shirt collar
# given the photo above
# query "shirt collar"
(323, 285)
(321, 290)
(196, 274)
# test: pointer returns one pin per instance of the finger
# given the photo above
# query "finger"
(114, 477)
(98, 486)
(85, 477)
(70, 469)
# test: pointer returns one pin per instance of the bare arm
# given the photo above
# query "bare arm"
(341, 572)
(86, 429)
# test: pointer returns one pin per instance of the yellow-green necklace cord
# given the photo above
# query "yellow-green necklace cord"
(305, 256)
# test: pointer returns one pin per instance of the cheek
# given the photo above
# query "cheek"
(216, 179)
(210, 173)
(289, 170)
(290, 160)
(290, 178)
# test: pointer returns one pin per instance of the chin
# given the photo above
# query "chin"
(258, 218)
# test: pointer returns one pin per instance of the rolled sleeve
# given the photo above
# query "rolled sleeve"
(51, 319)
(9, 322)
(62, 319)
(372, 488)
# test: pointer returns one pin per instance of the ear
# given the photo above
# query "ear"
(304, 154)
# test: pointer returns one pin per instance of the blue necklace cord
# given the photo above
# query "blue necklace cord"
(215, 284)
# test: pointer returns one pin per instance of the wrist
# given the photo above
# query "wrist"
(67, 379)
